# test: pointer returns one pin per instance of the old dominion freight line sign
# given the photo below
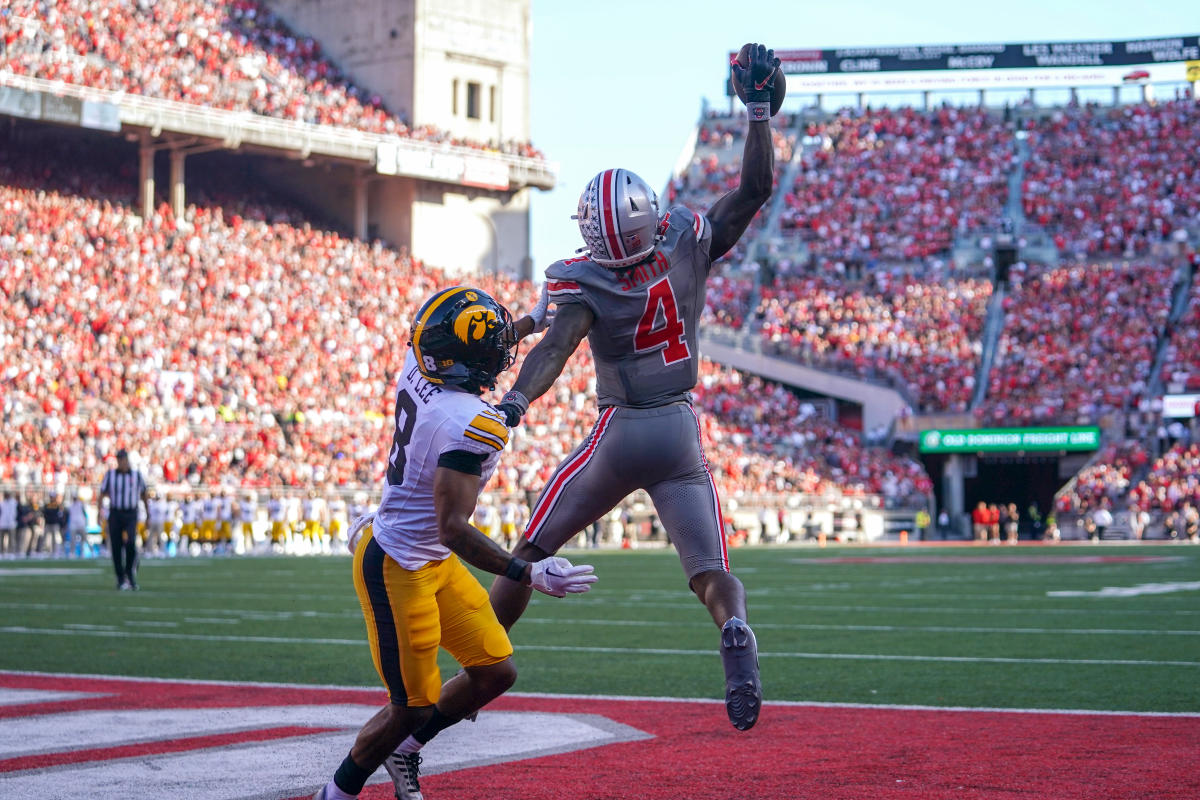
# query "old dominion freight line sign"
(1010, 440)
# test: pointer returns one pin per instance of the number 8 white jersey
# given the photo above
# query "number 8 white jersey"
(430, 420)
(643, 339)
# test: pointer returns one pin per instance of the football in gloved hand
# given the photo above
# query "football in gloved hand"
(778, 90)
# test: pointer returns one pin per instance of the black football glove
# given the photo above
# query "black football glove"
(513, 406)
(758, 77)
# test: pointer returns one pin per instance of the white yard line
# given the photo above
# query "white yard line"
(611, 697)
(650, 651)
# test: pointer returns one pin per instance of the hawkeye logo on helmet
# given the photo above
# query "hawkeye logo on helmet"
(473, 324)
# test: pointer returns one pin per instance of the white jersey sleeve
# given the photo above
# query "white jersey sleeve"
(484, 434)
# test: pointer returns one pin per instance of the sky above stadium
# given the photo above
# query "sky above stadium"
(620, 83)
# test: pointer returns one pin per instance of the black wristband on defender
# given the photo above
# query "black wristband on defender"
(515, 571)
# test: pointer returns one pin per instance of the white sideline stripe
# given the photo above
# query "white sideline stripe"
(41, 572)
(82, 627)
(355, 613)
(632, 602)
(264, 614)
(1132, 591)
(651, 651)
(639, 623)
(956, 611)
(238, 615)
(20, 697)
(613, 697)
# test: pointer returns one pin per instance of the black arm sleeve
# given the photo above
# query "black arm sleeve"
(462, 461)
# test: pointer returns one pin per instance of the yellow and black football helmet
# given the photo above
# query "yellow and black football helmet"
(462, 337)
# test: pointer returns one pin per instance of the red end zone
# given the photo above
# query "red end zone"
(795, 752)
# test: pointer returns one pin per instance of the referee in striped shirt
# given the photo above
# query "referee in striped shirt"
(125, 488)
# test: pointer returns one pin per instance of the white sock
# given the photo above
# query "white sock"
(409, 745)
(332, 792)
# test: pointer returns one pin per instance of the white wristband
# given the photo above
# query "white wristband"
(758, 112)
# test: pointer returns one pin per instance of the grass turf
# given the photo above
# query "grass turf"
(956, 626)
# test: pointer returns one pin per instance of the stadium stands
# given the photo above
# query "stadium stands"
(1078, 342)
(250, 349)
(1173, 482)
(1108, 478)
(1113, 182)
(1182, 365)
(921, 334)
(898, 184)
(230, 54)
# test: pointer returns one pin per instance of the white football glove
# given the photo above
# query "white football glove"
(356, 530)
(542, 315)
(558, 577)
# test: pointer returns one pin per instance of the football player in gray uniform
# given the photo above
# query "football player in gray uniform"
(637, 294)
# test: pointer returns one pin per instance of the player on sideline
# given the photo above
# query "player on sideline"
(414, 591)
(637, 294)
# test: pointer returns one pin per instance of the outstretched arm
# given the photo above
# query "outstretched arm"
(537, 320)
(546, 360)
(731, 214)
(454, 496)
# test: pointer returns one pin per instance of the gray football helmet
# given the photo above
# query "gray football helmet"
(618, 218)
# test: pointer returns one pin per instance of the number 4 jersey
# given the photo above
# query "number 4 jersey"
(430, 421)
(643, 339)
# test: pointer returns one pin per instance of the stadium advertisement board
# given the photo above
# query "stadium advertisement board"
(1010, 440)
(1180, 406)
(66, 110)
(970, 66)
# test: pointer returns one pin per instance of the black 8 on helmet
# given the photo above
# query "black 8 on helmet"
(462, 337)
(618, 217)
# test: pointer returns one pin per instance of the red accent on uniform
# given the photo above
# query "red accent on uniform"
(671, 336)
(608, 196)
(561, 286)
(564, 475)
(716, 495)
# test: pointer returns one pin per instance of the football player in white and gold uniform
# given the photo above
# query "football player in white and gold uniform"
(415, 592)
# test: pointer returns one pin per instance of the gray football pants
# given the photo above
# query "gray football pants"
(656, 449)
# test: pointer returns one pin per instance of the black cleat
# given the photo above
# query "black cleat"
(743, 689)
(405, 769)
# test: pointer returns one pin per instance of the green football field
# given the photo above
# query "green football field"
(1067, 627)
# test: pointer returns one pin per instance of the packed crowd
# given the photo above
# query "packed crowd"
(898, 184)
(922, 334)
(804, 452)
(234, 55)
(1111, 182)
(1107, 479)
(1078, 342)
(1182, 366)
(252, 350)
(1173, 482)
